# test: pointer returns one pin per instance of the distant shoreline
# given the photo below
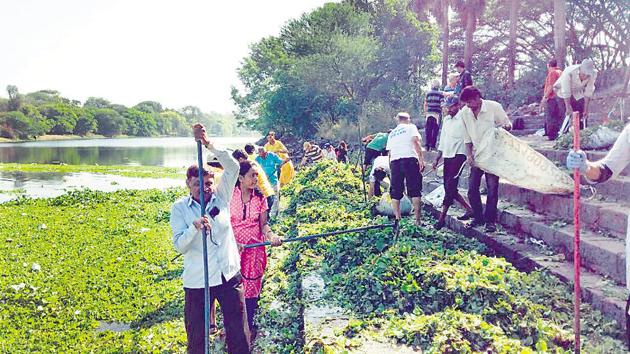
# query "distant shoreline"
(93, 137)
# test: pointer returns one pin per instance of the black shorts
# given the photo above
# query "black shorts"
(370, 155)
(405, 170)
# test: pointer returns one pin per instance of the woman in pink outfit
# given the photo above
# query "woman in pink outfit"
(248, 213)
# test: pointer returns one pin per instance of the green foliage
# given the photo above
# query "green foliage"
(140, 123)
(332, 63)
(428, 289)
(62, 117)
(109, 122)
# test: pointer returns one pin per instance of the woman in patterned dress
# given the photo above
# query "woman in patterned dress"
(248, 213)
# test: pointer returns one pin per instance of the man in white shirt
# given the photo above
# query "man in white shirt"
(223, 257)
(453, 149)
(380, 169)
(480, 118)
(576, 86)
(406, 162)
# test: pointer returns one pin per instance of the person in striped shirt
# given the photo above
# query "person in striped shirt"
(433, 108)
(312, 154)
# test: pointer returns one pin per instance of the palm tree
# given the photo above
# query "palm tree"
(559, 31)
(470, 11)
(512, 44)
(439, 10)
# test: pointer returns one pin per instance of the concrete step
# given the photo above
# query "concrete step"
(602, 293)
(561, 155)
(609, 217)
(523, 132)
(600, 253)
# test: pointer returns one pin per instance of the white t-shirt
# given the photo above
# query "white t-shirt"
(379, 162)
(452, 137)
(400, 142)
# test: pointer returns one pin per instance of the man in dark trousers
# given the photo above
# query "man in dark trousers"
(433, 108)
(554, 105)
(480, 117)
(465, 78)
(224, 262)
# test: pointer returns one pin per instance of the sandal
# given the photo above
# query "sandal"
(213, 330)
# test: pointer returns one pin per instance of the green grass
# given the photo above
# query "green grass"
(127, 171)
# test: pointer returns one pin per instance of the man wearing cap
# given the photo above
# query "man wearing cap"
(576, 86)
(406, 162)
(453, 149)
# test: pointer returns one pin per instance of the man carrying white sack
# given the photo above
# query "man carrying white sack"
(601, 171)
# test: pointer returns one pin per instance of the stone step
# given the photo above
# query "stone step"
(600, 253)
(611, 217)
(606, 216)
(600, 292)
(523, 132)
(561, 155)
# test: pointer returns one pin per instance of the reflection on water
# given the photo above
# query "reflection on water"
(170, 152)
(46, 185)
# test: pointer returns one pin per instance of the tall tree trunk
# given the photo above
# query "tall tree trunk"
(559, 31)
(512, 44)
(445, 45)
(471, 24)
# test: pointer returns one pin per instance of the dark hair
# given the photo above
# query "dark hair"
(553, 63)
(249, 148)
(469, 93)
(460, 64)
(379, 174)
(193, 171)
(271, 132)
(343, 145)
(239, 154)
(244, 167)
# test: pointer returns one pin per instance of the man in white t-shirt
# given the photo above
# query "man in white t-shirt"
(406, 162)
(380, 169)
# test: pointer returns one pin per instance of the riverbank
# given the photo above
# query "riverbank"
(58, 137)
(126, 171)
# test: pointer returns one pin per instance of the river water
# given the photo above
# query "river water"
(169, 152)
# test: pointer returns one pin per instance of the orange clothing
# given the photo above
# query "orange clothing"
(552, 76)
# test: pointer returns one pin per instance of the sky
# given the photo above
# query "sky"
(179, 53)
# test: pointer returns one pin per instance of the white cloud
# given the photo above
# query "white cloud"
(175, 52)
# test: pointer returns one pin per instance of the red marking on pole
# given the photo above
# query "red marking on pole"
(576, 239)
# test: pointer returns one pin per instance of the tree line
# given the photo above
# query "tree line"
(358, 61)
(47, 112)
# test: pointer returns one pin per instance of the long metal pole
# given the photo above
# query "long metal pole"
(306, 238)
(206, 293)
(576, 240)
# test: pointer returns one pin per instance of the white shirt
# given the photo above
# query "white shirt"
(223, 257)
(379, 162)
(619, 155)
(569, 84)
(452, 137)
(490, 116)
(400, 142)
(331, 154)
